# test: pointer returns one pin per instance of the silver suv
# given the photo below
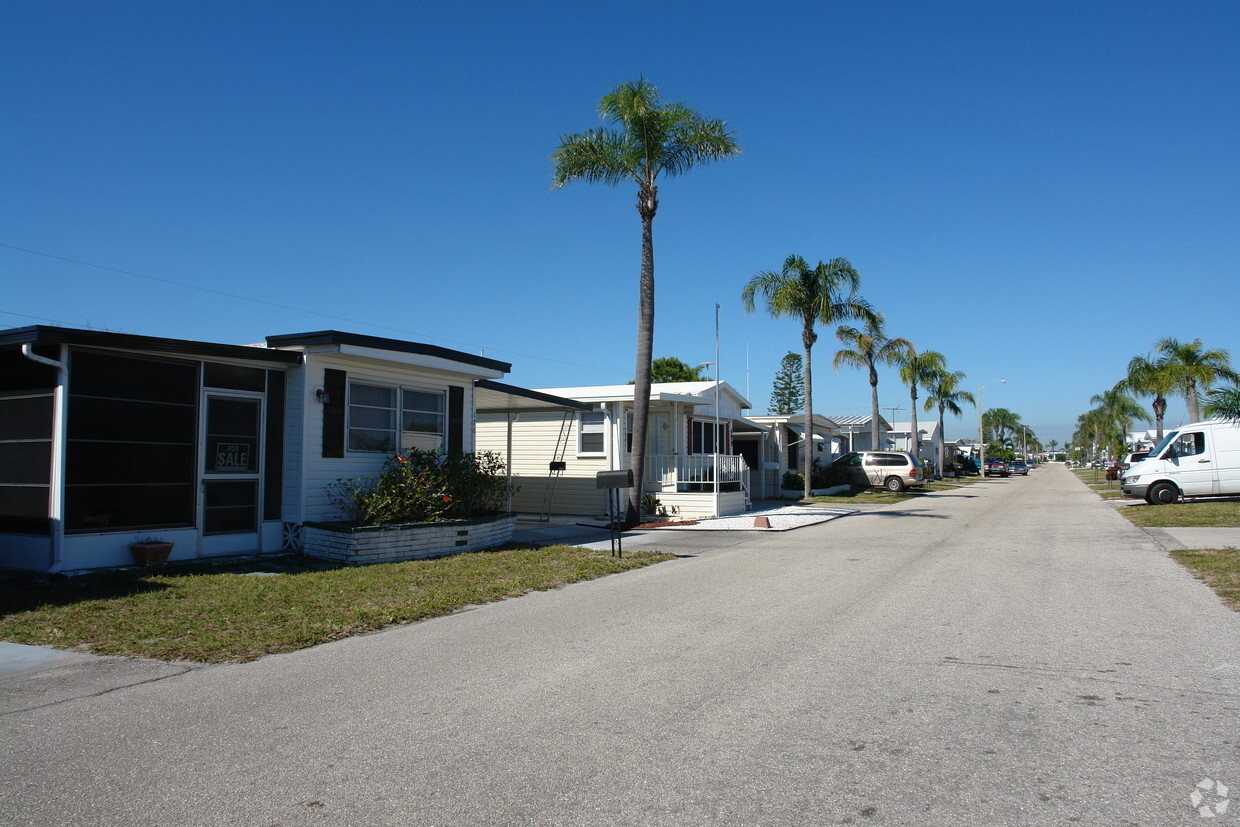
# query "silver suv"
(893, 470)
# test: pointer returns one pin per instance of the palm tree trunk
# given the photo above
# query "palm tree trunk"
(1190, 396)
(807, 439)
(1160, 410)
(941, 440)
(914, 437)
(646, 206)
(874, 446)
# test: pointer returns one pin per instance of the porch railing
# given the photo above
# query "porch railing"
(697, 472)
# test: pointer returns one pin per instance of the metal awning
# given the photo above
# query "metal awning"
(491, 397)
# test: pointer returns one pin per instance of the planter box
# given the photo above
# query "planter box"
(358, 545)
(150, 554)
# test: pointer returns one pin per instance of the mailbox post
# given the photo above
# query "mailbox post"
(614, 482)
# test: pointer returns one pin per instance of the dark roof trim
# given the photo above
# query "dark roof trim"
(45, 335)
(553, 402)
(335, 337)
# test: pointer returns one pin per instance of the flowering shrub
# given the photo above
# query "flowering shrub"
(424, 486)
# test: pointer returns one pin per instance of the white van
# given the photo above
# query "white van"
(1192, 461)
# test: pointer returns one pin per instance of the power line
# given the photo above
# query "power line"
(284, 307)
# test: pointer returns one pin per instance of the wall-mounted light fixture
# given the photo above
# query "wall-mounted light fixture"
(322, 396)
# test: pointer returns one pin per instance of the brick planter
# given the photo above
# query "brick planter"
(358, 545)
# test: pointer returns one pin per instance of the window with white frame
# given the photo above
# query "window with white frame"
(702, 436)
(591, 429)
(381, 418)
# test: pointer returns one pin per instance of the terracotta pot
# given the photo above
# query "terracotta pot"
(150, 554)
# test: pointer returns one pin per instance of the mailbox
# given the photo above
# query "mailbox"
(614, 479)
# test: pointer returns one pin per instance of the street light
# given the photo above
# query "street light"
(981, 434)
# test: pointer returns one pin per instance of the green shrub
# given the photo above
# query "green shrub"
(424, 486)
(793, 481)
(828, 476)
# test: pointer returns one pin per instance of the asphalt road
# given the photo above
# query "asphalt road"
(1010, 653)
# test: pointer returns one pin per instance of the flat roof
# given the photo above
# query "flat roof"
(49, 335)
(337, 337)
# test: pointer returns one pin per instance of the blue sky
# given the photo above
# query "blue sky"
(1037, 190)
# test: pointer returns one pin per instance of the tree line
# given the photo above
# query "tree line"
(1173, 368)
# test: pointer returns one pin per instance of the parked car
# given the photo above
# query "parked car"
(997, 468)
(1196, 460)
(1133, 458)
(1018, 466)
(967, 466)
(893, 470)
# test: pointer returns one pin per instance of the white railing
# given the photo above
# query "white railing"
(697, 472)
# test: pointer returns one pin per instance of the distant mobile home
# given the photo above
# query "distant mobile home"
(556, 454)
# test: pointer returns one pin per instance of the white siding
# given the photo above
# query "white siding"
(320, 471)
(534, 437)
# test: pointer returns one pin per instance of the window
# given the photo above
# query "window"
(1190, 445)
(374, 416)
(702, 434)
(132, 439)
(590, 432)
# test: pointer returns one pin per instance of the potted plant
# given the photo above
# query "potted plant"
(152, 551)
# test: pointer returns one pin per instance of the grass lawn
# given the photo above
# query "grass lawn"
(1221, 513)
(1220, 569)
(214, 615)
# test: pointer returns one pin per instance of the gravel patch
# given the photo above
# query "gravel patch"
(783, 518)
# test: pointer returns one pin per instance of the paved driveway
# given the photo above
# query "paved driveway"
(1009, 653)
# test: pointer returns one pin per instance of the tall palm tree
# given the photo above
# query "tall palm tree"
(919, 369)
(1153, 376)
(824, 295)
(1196, 369)
(1054, 444)
(869, 347)
(945, 394)
(647, 139)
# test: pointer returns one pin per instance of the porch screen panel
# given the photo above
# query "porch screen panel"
(26, 407)
(132, 436)
(273, 463)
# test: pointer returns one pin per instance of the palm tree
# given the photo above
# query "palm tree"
(869, 347)
(945, 394)
(1118, 409)
(1224, 403)
(1156, 377)
(1196, 369)
(824, 295)
(1000, 421)
(1054, 444)
(648, 139)
(919, 369)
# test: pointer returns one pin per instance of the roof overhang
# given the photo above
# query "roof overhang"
(45, 335)
(491, 397)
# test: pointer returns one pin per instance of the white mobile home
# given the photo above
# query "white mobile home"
(700, 458)
(107, 438)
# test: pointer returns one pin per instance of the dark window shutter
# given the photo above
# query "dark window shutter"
(456, 418)
(336, 386)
